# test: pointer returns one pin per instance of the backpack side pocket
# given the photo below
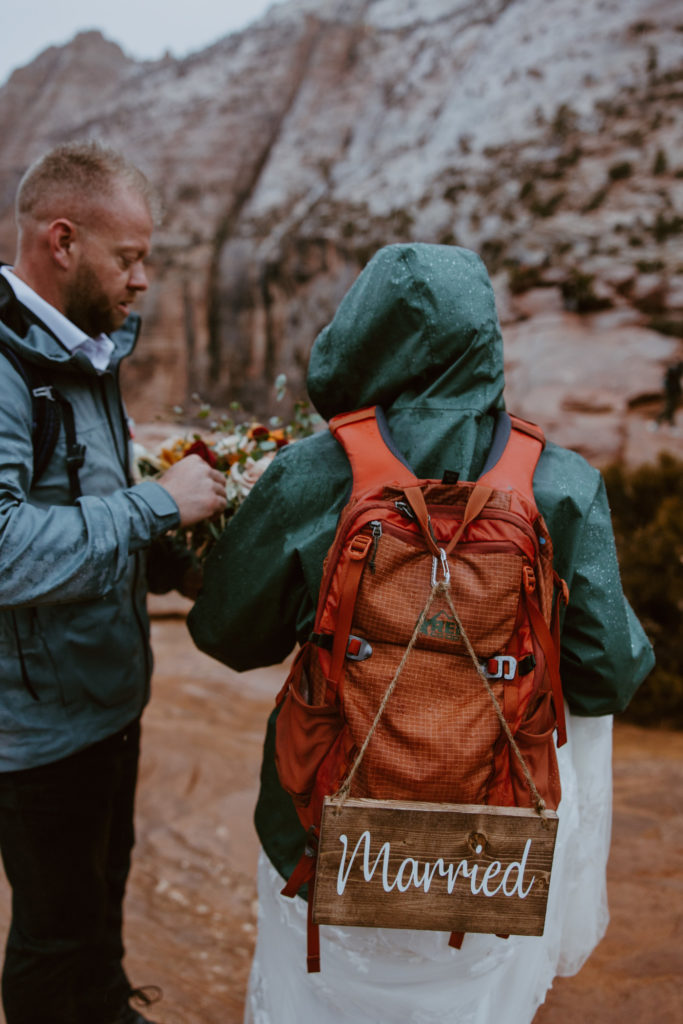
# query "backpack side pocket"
(304, 733)
(537, 746)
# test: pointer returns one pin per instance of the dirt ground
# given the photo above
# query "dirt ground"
(190, 922)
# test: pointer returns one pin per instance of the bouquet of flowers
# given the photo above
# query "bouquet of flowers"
(241, 451)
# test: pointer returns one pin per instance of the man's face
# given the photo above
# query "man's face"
(109, 270)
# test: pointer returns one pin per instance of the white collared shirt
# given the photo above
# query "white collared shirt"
(98, 350)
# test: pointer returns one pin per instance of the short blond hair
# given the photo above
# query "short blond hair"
(77, 174)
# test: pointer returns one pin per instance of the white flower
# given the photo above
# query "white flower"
(142, 461)
(232, 491)
(245, 475)
(230, 444)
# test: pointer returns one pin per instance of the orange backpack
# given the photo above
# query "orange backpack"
(490, 631)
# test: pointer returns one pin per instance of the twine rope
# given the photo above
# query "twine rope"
(443, 586)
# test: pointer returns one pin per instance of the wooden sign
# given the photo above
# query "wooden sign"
(446, 867)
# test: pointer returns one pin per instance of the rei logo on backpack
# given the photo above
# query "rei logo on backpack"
(436, 641)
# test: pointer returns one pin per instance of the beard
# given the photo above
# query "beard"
(88, 305)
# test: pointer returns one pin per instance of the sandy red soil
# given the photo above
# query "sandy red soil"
(190, 923)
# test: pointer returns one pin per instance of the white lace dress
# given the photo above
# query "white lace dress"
(387, 976)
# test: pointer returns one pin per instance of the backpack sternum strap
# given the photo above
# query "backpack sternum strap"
(416, 500)
(475, 505)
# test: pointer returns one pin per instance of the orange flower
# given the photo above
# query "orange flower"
(279, 437)
(169, 455)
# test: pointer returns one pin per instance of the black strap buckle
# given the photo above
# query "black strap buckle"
(75, 456)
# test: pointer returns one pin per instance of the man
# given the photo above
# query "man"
(418, 334)
(75, 662)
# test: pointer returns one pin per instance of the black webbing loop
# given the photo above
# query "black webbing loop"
(75, 452)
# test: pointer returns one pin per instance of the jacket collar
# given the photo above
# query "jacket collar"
(34, 340)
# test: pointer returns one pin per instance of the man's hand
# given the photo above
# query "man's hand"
(197, 489)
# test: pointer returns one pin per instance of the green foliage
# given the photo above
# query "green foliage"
(522, 277)
(595, 201)
(667, 325)
(526, 190)
(665, 227)
(647, 512)
(618, 172)
(564, 122)
(661, 163)
(578, 294)
(547, 207)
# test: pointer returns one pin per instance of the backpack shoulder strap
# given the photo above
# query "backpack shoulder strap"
(515, 451)
(364, 436)
(49, 409)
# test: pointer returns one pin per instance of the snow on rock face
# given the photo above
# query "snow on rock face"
(545, 134)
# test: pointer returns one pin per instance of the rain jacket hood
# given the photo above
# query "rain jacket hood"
(417, 334)
(418, 325)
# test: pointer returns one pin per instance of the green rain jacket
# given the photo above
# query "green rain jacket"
(417, 334)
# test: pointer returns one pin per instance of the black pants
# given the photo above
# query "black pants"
(66, 835)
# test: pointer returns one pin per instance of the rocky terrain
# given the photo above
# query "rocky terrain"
(545, 134)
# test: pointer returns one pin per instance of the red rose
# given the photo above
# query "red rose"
(279, 437)
(257, 432)
(202, 449)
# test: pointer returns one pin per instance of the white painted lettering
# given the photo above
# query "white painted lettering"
(368, 872)
(492, 870)
(452, 871)
(519, 867)
(412, 879)
(411, 872)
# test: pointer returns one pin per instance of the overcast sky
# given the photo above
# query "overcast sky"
(143, 28)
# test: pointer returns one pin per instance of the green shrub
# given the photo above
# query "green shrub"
(661, 163)
(664, 227)
(579, 296)
(618, 172)
(565, 121)
(595, 201)
(647, 512)
(547, 207)
(521, 278)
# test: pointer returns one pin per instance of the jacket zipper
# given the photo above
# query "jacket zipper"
(376, 534)
(124, 463)
(338, 545)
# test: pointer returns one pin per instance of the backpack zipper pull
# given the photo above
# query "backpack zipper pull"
(376, 534)
(404, 508)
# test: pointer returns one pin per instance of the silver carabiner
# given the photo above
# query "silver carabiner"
(444, 566)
